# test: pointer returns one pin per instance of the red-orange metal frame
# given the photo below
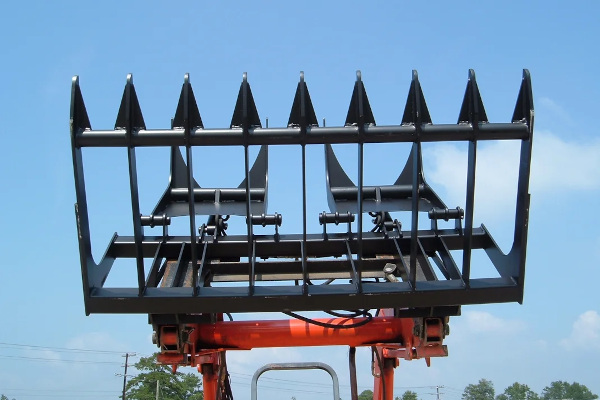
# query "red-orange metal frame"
(203, 345)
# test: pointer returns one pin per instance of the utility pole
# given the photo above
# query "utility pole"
(127, 355)
(437, 388)
(157, 388)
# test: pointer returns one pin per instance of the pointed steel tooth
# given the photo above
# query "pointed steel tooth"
(472, 109)
(187, 114)
(359, 112)
(524, 106)
(245, 113)
(415, 111)
(303, 112)
(79, 116)
(130, 114)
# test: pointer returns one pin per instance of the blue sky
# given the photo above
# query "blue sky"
(554, 335)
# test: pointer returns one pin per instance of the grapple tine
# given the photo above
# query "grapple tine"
(130, 114)
(78, 122)
(416, 114)
(189, 118)
(303, 116)
(130, 119)
(359, 111)
(79, 117)
(302, 113)
(524, 107)
(472, 112)
(245, 114)
(416, 111)
(472, 109)
(187, 106)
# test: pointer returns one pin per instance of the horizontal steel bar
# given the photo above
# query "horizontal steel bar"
(289, 245)
(314, 135)
(277, 298)
(225, 194)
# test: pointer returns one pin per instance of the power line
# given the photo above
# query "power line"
(45, 359)
(60, 390)
(61, 395)
(67, 349)
(323, 384)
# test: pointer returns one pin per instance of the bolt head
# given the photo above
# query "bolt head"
(389, 268)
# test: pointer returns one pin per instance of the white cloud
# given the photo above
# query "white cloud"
(496, 179)
(557, 165)
(549, 106)
(248, 361)
(95, 341)
(484, 322)
(585, 333)
(43, 354)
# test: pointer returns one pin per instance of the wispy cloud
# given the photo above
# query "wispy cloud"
(558, 164)
(96, 341)
(248, 361)
(497, 170)
(487, 323)
(585, 333)
(546, 105)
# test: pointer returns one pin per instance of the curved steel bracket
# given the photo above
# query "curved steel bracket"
(214, 201)
(342, 193)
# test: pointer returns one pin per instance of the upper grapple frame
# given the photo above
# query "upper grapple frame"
(387, 267)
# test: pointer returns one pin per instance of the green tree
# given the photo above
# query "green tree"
(172, 386)
(483, 390)
(366, 395)
(4, 398)
(518, 391)
(560, 390)
(408, 395)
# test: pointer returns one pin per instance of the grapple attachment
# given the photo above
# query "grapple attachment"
(205, 270)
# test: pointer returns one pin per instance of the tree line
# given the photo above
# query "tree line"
(484, 390)
(557, 390)
(188, 386)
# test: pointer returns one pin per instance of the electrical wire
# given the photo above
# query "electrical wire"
(58, 360)
(59, 349)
